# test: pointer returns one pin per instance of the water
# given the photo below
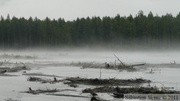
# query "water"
(165, 72)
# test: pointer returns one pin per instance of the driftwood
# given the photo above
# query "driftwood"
(40, 91)
(37, 79)
(8, 75)
(120, 61)
(109, 66)
(119, 92)
(4, 69)
(1, 63)
(14, 68)
(17, 68)
(112, 82)
(68, 95)
(40, 74)
(120, 66)
(93, 98)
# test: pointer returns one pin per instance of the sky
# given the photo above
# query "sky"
(73, 9)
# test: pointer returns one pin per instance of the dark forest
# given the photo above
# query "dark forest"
(147, 30)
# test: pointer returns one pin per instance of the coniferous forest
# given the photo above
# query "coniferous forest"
(149, 30)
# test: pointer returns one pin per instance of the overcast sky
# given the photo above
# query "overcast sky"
(71, 9)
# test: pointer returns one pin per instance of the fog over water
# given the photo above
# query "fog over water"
(57, 38)
(98, 55)
(165, 65)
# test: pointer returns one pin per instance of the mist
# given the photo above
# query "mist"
(4, 2)
(55, 59)
(158, 66)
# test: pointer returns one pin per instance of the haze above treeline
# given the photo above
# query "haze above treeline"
(121, 31)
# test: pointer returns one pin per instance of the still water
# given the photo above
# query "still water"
(165, 67)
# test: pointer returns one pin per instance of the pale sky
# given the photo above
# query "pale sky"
(71, 9)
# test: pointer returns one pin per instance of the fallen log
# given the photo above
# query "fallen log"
(141, 64)
(14, 69)
(40, 74)
(105, 82)
(37, 79)
(17, 68)
(68, 95)
(40, 91)
(3, 71)
(108, 66)
(8, 75)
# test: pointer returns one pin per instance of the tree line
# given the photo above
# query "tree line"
(119, 30)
